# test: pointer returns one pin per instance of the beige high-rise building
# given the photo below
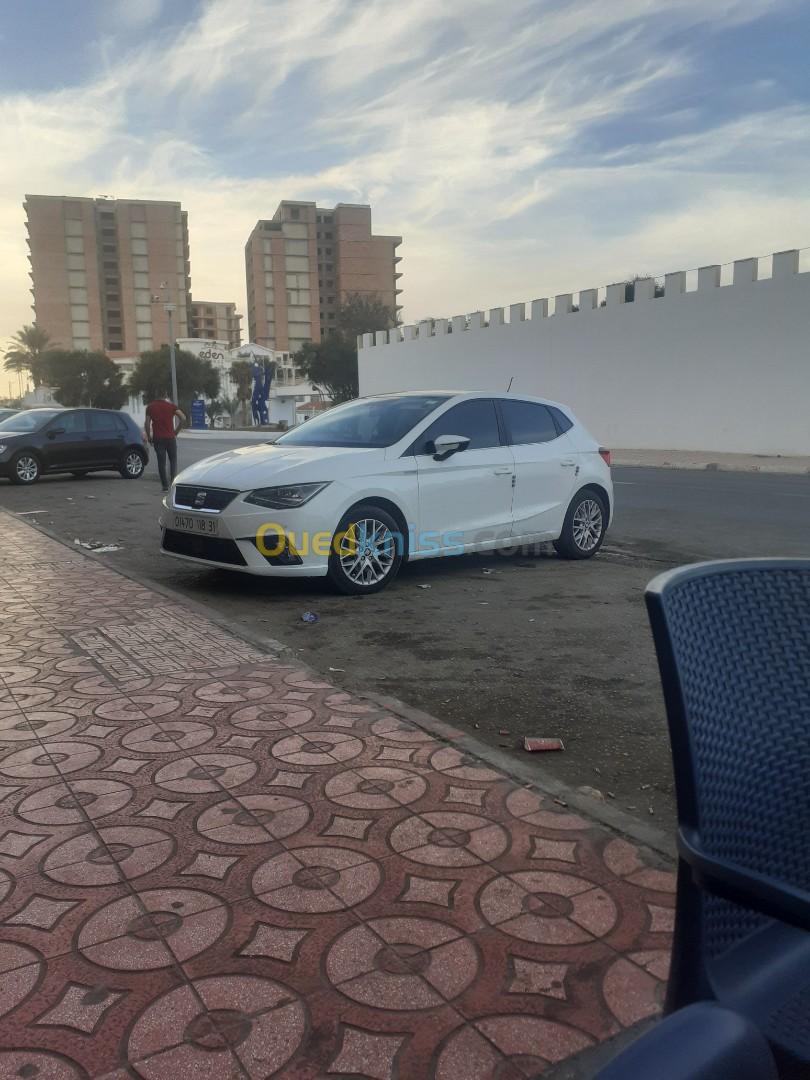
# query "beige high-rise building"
(215, 319)
(304, 261)
(102, 269)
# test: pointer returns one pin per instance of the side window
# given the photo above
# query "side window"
(103, 421)
(527, 422)
(476, 419)
(72, 423)
(563, 422)
(120, 424)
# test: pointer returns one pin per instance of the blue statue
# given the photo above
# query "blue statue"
(262, 381)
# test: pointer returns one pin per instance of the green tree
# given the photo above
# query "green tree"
(362, 314)
(231, 406)
(213, 407)
(331, 364)
(241, 371)
(27, 352)
(152, 377)
(80, 377)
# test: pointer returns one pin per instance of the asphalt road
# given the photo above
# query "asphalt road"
(535, 646)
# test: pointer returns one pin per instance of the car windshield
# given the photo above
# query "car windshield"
(373, 422)
(27, 421)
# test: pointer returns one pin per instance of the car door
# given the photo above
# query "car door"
(107, 431)
(465, 499)
(66, 441)
(545, 468)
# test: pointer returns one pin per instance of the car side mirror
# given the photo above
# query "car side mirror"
(56, 431)
(445, 445)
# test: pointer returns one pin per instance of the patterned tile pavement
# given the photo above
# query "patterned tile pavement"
(215, 865)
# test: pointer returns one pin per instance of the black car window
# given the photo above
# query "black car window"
(528, 422)
(563, 422)
(72, 423)
(476, 419)
(104, 421)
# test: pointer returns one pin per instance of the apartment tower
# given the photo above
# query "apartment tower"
(304, 261)
(102, 269)
(215, 319)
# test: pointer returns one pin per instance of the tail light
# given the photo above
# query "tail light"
(604, 455)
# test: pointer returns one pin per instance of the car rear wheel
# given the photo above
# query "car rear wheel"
(366, 551)
(584, 527)
(133, 465)
(25, 468)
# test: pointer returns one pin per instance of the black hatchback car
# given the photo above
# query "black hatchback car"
(78, 441)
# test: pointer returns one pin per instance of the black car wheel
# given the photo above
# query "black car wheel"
(133, 465)
(25, 468)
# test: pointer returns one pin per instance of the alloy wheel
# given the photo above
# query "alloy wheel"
(27, 469)
(367, 551)
(134, 464)
(587, 525)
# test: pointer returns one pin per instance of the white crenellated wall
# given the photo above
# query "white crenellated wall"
(718, 367)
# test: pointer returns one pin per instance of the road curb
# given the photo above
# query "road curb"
(529, 774)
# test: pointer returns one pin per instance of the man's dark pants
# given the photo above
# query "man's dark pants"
(166, 448)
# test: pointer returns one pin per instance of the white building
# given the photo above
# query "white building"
(289, 389)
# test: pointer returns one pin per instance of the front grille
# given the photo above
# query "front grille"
(202, 547)
(186, 496)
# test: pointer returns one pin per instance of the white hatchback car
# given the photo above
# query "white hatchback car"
(367, 485)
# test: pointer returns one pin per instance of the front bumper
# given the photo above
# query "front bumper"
(255, 540)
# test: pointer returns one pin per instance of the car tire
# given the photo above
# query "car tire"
(132, 465)
(357, 574)
(25, 468)
(585, 525)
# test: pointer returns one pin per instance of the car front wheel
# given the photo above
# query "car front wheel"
(25, 468)
(133, 465)
(584, 527)
(366, 551)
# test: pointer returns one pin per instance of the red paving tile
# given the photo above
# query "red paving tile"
(214, 864)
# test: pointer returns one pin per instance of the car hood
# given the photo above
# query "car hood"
(250, 467)
(12, 436)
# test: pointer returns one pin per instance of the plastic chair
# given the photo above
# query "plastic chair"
(700, 1042)
(733, 645)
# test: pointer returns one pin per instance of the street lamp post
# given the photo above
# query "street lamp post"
(170, 310)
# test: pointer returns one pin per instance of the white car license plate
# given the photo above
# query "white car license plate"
(203, 526)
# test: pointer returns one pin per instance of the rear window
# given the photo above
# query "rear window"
(528, 422)
(563, 422)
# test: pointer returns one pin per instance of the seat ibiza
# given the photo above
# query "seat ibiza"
(358, 490)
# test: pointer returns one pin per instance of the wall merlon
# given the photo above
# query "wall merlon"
(394, 335)
(615, 294)
(675, 284)
(644, 289)
(476, 320)
(517, 313)
(425, 328)
(588, 299)
(409, 332)
(709, 277)
(496, 316)
(459, 323)
(441, 326)
(539, 309)
(368, 340)
(745, 271)
(563, 302)
(785, 263)
(381, 337)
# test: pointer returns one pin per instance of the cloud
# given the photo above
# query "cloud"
(501, 138)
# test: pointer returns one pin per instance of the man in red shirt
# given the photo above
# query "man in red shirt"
(161, 432)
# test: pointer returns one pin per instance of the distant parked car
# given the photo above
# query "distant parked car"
(77, 441)
(359, 489)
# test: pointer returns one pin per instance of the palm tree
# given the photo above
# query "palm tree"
(27, 353)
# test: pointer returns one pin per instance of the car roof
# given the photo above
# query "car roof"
(501, 395)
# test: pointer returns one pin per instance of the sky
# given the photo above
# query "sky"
(522, 148)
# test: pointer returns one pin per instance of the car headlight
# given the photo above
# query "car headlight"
(3, 447)
(285, 498)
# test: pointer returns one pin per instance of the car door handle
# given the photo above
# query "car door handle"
(567, 462)
(503, 470)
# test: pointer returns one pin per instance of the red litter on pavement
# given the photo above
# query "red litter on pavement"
(533, 745)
